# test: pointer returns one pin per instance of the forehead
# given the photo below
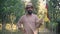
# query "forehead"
(27, 7)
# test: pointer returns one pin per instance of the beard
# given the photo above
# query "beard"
(29, 12)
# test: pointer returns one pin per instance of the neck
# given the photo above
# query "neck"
(28, 14)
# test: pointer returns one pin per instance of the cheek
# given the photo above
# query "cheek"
(30, 9)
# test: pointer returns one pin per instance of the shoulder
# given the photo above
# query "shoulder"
(35, 15)
(22, 17)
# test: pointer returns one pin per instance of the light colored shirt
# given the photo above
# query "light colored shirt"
(29, 23)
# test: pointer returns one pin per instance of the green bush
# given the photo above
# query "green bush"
(52, 26)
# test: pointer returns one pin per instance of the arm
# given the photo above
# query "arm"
(19, 23)
(38, 22)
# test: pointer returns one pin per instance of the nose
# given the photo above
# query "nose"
(30, 9)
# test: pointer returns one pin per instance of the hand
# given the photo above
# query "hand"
(35, 32)
(22, 29)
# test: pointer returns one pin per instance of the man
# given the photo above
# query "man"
(30, 21)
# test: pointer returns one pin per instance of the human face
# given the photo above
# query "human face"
(29, 10)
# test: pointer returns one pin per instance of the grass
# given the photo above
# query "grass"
(10, 32)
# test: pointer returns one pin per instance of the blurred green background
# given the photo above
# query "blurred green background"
(12, 10)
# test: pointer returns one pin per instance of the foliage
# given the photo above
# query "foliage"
(54, 10)
(35, 5)
(7, 7)
(54, 14)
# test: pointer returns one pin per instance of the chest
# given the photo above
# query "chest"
(30, 19)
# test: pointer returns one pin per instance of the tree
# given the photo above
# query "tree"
(35, 5)
(54, 10)
(54, 13)
(7, 7)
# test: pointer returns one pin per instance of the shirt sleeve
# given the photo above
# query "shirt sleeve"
(38, 22)
(20, 22)
(36, 19)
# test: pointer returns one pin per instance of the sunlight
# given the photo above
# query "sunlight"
(8, 27)
(12, 28)
(42, 12)
(28, 0)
